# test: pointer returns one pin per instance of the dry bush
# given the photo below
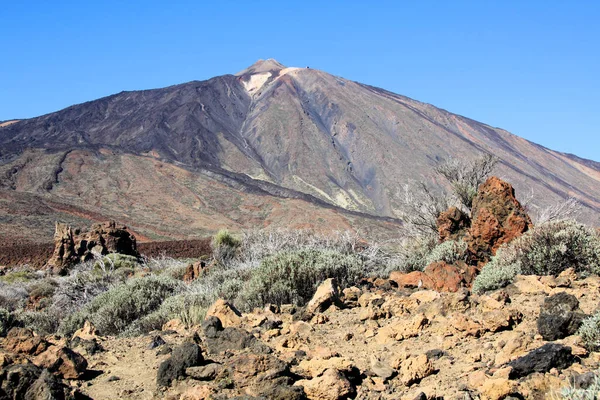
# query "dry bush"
(567, 209)
(466, 176)
(547, 249)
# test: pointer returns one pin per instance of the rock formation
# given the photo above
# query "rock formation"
(73, 246)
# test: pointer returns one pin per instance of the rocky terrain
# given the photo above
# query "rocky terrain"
(270, 146)
(375, 341)
(414, 335)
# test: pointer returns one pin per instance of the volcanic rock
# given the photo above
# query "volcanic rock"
(72, 246)
(560, 316)
(327, 294)
(452, 224)
(184, 356)
(62, 361)
(542, 359)
(439, 276)
(497, 218)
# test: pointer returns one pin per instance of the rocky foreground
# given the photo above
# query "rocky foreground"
(372, 342)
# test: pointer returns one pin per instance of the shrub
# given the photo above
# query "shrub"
(6, 321)
(113, 311)
(449, 251)
(43, 322)
(548, 249)
(466, 176)
(590, 332)
(589, 393)
(292, 277)
(17, 276)
(114, 261)
(224, 246)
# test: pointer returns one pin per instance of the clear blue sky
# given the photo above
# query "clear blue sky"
(531, 67)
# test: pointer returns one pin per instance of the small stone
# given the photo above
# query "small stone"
(155, 342)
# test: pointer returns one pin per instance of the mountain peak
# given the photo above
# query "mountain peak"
(260, 66)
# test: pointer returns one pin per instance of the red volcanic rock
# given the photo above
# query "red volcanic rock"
(438, 276)
(452, 224)
(194, 271)
(72, 246)
(497, 218)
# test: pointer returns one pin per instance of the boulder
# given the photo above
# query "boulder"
(439, 276)
(452, 224)
(206, 372)
(23, 340)
(542, 359)
(327, 294)
(332, 385)
(497, 217)
(62, 361)
(211, 327)
(184, 356)
(560, 316)
(226, 312)
(414, 369)
(234, 339)
(47, 386)
(72, 246)
(16, 380)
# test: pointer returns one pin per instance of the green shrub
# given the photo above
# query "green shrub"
(590, 332)
(224, 246)
(589, 393)
(45, 322)
(415, 252)
(17, 276)
(114, 261)
(449, 251)
(6, 321)
(548, 249)
(113, 311)
(292, 277)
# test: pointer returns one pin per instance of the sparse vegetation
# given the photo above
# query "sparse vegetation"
(224, 246)
(292, 277)
(548, 249)
(113, 311)
(422, 205)
(590, 332)
(6, 320)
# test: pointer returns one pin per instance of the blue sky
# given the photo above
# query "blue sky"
(531, 67)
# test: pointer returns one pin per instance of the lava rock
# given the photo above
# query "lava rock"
(542, 359)
(560, 316)
(156, 341)
(184, 356)
(211, 327)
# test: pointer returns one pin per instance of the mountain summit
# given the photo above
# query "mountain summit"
(268, 146)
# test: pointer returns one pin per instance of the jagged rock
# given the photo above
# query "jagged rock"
(226, 312)
(88, 332)
(234, 339)
(193, 271)
(332, 385)
(23, 340)
(206, 372)
(497, 218)
(47, 387)
(452, 224)
(62, 361)
(496, 388)
(560, 316)
(316, 367)
(91, 346)
(414, 369)
(327, 294)
(381, 369)
(72, 246)
(16, 380)
(542, 359)
(183, 356)
(439, 276)
(211, 327)
(401, 329)
(155, 342)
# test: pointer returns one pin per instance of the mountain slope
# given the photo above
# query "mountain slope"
(286, 133)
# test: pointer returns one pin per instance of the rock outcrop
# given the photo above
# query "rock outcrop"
(497, 217)
(453, 224)
(72, 246)
(439, 276)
